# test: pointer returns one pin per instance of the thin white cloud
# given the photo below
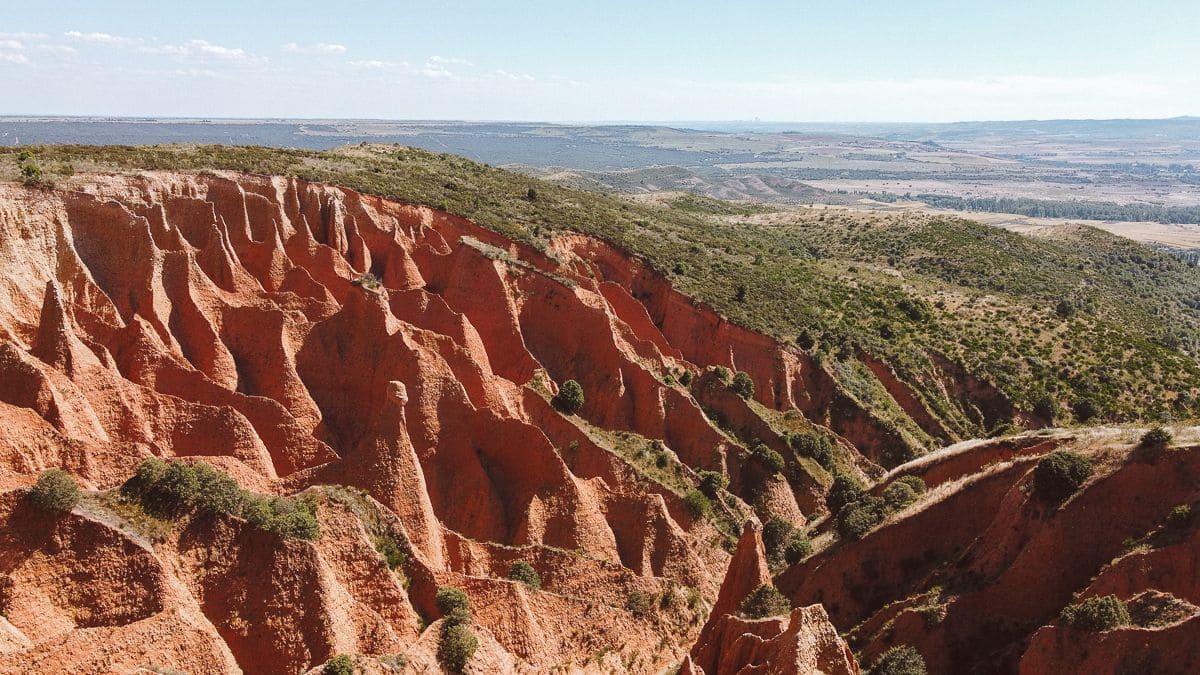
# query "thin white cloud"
(102, 39)
(19, 59)
(375, 64)
(448, 61)
(318, 48)
(525, 77)
(203, 49)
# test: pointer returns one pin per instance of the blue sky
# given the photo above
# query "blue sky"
(929, 60)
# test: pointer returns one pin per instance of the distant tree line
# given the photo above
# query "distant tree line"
(1061, 208)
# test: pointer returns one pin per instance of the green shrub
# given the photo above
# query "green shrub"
(1059, 474)
(742, 385)
(449, 598)
(55, 491)
(685, 378)
(1180, 517)
(1085, 409)
(457, 617)
(712, 482)
(845, 489)
(899, 495)
(523, 572)
(149, 472)
(339, 665)
(570, 397)
(775, 535)
(31, 175)
(1046, 408)
(176, 491)
(798, 548)
(765, 601)
(456, 647)
(218, 493)
(816, 445)
(899, 660)
(915, 482)
(393, 554)
(722, 373)
(288, 517)
(697, 504)
(858, 518)
(1157, 437)
(639, 603)
(1096, 614)
(368, 281)
(770, 458)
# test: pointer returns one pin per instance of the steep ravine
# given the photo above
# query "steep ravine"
(231, 319)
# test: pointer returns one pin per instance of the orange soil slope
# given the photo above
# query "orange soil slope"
(218, 317)
(974, 575)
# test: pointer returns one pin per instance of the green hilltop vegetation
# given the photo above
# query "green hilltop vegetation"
(1078, 323)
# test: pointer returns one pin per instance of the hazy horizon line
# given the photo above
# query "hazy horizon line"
(593, 122)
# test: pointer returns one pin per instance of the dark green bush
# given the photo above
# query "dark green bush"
(712, 482)
(816, 445)
(722, 373)
(339, 665)
(639, 603)
(149, 472)
(742, 385)
(697, 504)
(218, 493)
(55, 491)
(1059, 474)
(456, 647)
(1085, 409)
(899, 495)
(770, 458)
(915, 482)
(899, 660)
(765, 601)
(845, 489)
(289, 517)
(1096, 614)
(685, 378)
(570, 397)
(176, 491)
(798, 548)
(858, 518)
(449, 598)
(523, 572)
(1157, 437)
(1046, 408)
(775, 535)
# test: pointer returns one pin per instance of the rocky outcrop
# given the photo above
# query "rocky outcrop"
(803, 641)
